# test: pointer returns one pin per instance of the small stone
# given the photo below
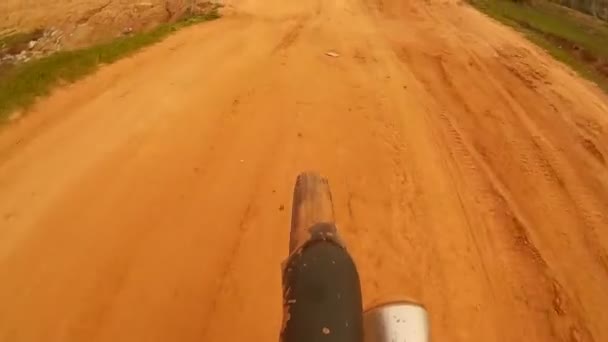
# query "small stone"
(144, 5)
(326, 331)
(32, 44)
(332, 54)
(21, 56)
(15, 115)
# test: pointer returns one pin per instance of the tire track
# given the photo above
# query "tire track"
(566, 319)
(479, 179)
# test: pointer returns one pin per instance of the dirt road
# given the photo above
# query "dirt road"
(151, 201)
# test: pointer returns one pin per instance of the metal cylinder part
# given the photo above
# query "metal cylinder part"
(396, 322)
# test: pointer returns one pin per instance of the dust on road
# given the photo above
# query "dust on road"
(468, 171)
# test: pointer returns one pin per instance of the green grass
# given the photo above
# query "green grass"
(22, 84)
(556, 29)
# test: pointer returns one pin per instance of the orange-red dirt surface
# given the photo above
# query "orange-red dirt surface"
(151, 201)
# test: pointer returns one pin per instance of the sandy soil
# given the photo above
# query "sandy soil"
(151, 201)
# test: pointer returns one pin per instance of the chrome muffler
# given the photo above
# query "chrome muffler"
(396, 322)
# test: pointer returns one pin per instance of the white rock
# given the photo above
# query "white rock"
(15, 115)
(144, 5)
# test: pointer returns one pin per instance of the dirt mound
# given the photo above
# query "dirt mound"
(81, 22)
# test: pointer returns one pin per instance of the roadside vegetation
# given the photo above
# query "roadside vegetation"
(575, 38)
(596, 8)
(22, 83)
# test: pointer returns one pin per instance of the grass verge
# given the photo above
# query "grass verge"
(576, 39)
(22, 84)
